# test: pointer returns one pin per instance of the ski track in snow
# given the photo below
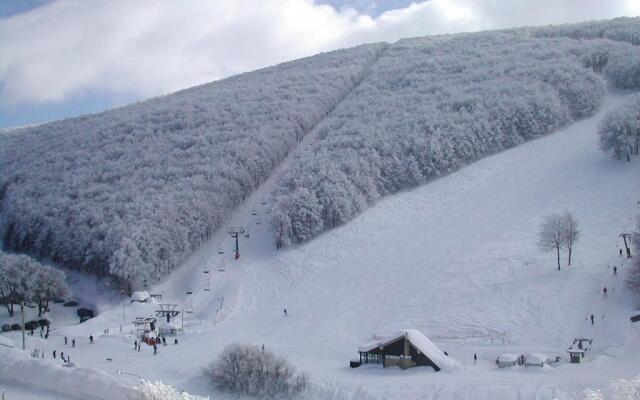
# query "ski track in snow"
(456, 259)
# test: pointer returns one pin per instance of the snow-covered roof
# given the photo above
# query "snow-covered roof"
(140, 296)
(166, 326)
(508, 357)
(420, 342)
(536, 358)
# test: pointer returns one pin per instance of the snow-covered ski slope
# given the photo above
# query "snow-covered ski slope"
(456, 259)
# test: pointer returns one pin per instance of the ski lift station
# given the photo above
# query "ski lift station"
(406, 349)
(578, 349)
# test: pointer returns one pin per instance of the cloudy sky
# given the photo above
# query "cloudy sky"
(69, 57)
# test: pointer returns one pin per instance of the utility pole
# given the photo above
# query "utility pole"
(235, 232)
(23, 334)
(624, 237)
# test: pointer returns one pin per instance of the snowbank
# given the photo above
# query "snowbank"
(5, 341)
(76, 383)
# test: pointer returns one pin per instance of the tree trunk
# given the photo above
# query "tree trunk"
(558, 251)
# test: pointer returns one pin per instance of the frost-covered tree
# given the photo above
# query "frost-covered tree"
(24, 279)
(620, 130)
(552, 234)
(256, 372)
(571, 233)
(160, 391)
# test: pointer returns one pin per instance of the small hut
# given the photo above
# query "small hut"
(140, 297)
(509, 360)
(406, 349)
(578, 349)
(167, 329)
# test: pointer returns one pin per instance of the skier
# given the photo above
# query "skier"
(475, 358)
(285, 312)
(155, 349)
(62, 355)
(615, 270)
(604, 292)
(139, 343)
(620, 252)
(164, 341)
(73, 342)
(263, 347)
(135, 344)
(54, 354)
(65, 340)
(175, 341)
(446, 354)
(591, 319)
(90, 339)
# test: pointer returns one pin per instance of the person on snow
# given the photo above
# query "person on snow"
(65, 340)
(591, 319)
(285, 312)
(73, 342)
(155, 349)
(135, 344)
(604, 291)
(62, 355)
(620, 252)
(175, 341)
(475, 358)
(615, 270)
(54, 354)
(90, 339)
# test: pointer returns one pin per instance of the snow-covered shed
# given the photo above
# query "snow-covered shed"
(141, 296)
(407, 348)
(167, 329)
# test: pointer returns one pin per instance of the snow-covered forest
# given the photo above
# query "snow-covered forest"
(132, 191)
(451, 100)
(620, 130)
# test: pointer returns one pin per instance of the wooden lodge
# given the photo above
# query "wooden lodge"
(406, 349)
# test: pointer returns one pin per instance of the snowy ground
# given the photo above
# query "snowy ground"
(456, 258)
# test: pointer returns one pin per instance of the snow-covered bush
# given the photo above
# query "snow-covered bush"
(255, 372)
(132, 191)
(620, 130)
(428, 107)
(160, 391)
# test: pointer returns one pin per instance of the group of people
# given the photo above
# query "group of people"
(152, 341)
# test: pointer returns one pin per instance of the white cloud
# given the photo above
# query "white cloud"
(146, 47)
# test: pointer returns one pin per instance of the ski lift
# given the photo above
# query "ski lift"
(190, 292)
(253, 211)
(259, 221)
(189, 308)
(207, 287)
(220, 251)
(206, 271)
(221, 267)
(246, 233)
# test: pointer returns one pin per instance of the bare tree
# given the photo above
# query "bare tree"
(571, 232)
(552, 234)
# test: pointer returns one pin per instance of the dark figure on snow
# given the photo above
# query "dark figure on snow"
(175, 341)
(31, 332)
(615, 270)
(164, 341)
(73, 342)
(135, 344)
(139, 343)
(604, 291)
(54, 354)
(65, 340)
(620, 252)
(90, 339)
(446, 354)
(155, 349)
(285, 312)
(475, 358)
(46, 335)
(591, 319)
(62, 355)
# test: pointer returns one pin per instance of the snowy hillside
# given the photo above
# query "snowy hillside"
(132, 191)
(456, 259)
